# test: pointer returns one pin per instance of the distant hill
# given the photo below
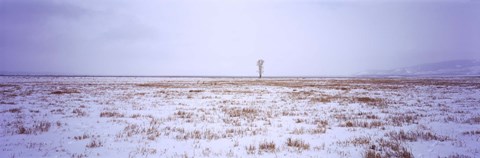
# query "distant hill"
(447, 68)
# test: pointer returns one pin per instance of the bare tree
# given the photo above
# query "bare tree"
(260, 67)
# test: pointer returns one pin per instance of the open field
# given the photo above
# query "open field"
(239, 117)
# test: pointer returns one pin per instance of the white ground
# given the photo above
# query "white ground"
(224, 117)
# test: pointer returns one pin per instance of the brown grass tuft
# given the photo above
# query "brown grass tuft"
(415, 135)
(267, 146)
(65, 91)
(79, 112)
(94, 144)
(297, 143)
(111, 114)
(38, 127)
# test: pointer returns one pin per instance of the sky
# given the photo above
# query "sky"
(227, 37)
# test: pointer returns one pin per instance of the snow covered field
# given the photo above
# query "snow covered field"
(239, 117)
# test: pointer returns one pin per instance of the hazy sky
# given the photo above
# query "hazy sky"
(227, 37)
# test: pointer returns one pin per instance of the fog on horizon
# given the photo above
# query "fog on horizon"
(223, 38)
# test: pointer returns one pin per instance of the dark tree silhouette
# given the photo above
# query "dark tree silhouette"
(260, 67)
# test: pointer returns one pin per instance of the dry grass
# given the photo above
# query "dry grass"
(159, 85)
(321, 100)
(367, 100)
(7, 103)
(267, 146)
(474, 132)
(363, 124)
(37, 128)
(318, 130)
(251, 149)
(196, 91)
(13, 110)
(387, 148)
(415, 136)
(111, 114)
(403, 119)
(74, 155)
(241, 112)
(348, 124)
(473, 120)
(150, 132)
(372, 154)
(156, 112)
(65, 91)
(183, 114)
(298, 144)
(79, 112)
(360, 141)
(197, 134)
(94, 144)
(143, 152)
(456, 155)
(81, 137)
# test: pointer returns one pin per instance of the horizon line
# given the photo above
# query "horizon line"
(239, 76)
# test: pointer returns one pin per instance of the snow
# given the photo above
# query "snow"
(223, 117)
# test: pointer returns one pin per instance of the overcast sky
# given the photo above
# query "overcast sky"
(227, 37)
